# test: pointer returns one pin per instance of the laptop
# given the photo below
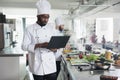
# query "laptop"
(58, 42)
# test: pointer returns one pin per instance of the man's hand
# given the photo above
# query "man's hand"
(41, 45)
(44, 45)
(54, 50)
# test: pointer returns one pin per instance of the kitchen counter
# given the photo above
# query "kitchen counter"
(11, 52)
(73, 73)
(12, 64)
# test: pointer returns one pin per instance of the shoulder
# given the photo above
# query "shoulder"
(31, 27)
(51, 26)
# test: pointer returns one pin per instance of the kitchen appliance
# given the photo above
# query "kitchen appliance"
(5, 33)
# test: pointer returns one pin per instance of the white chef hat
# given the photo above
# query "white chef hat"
(59, 21)
(43, 7)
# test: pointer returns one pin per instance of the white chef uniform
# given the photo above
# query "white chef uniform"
(58, 22)
(41, 60)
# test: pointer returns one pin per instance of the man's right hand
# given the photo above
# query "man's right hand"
(44, 45)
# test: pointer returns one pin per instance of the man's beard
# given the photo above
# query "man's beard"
(42, 24)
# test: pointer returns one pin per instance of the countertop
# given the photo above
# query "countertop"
(76, 74)
(12, 52)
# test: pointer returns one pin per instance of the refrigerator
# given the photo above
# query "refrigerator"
(5, 35)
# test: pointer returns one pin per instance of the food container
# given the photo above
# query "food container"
(108, 55)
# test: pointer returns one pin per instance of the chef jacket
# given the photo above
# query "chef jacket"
(41, 60)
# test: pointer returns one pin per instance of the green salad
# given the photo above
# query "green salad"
(91, 57)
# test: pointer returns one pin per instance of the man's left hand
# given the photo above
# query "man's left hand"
(54, 50)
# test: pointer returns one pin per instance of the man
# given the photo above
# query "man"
(116, 43)
(59, 30)
(59, 25)
(94, 38)
(103, 41)
(36, 37)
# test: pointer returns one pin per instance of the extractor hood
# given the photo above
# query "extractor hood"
(88, 6)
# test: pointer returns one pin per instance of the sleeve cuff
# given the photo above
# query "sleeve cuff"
(31, 48)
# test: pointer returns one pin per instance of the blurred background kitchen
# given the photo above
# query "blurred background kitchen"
(86, 20)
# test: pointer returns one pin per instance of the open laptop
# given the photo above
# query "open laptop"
(58, 41)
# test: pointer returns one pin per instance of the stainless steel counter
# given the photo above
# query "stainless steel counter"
(11, 52)
(73, 73)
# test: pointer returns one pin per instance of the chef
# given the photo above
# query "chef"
(59, 25)
(42, 61)
(59, 31)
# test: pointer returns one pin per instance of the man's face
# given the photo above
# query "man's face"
(61, 27)
(43, 19)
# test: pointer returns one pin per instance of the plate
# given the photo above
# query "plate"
(78, 62)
